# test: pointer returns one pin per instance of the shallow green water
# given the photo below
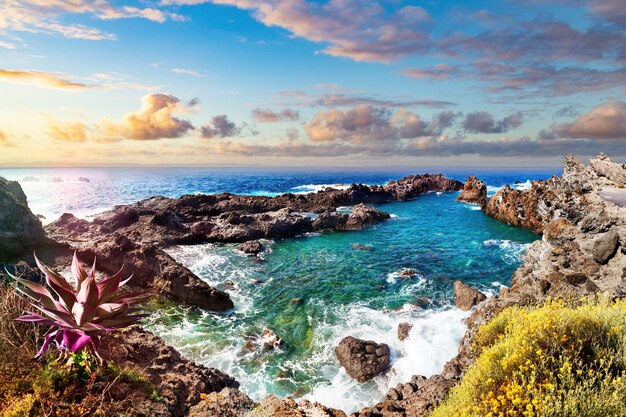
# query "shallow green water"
(314, 290)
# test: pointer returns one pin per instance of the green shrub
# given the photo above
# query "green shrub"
(559, 359)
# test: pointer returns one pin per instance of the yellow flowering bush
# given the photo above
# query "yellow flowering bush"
(558, 359)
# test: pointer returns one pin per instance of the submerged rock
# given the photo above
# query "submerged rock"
(466, 297)
(363, 359)
(474, 191)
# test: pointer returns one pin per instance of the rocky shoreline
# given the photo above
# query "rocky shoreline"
(581, 217)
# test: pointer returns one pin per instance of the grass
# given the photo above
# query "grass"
(53, 386)
(560, 359)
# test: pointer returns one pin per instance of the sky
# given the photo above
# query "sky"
(304, 83)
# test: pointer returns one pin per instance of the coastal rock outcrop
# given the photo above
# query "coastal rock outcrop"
(582, 252)
(404, 329)
(274, 407)
(466, 297)
(20, 229)
(180, 382)
(363, 359)
(474, 191)
(136, 235)
(251, 247)
(229, 402)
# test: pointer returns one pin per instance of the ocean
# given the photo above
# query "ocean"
(314, 290)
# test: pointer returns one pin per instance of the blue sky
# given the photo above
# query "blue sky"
(306, 83)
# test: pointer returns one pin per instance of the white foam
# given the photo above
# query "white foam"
(433, 340)
(523, 185)
(393, 277)
(493, 189)
(511, 251)
(313, 188)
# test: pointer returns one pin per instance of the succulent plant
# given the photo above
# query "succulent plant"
(81, 314)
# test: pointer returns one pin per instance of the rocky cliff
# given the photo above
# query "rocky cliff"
(20, 230)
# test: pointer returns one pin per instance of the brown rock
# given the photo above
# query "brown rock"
(605, 246)
(474, 191)
(229, 402)
(251, 247)
(466, 297)
(362, 359)
(404, 329)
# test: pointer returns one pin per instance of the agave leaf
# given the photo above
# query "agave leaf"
(75, 340)
(108, 286)
(36, 318)
(83, 313)
(88, 292)
(36, 292)
(59, 285)
(77, 269)
(122, 321)
(110, 310)
(65, 319)
(49, 338)
(132, 298)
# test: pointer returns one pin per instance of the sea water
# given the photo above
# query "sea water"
(313, 290)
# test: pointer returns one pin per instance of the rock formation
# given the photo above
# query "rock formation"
(466, 297)
(474, 191)
(20, 229)
(362, 359)
(136, 235)
(404, 329)
(583, 251)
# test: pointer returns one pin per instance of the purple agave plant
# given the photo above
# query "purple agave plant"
(81, 314)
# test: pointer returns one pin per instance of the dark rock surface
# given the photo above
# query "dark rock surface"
(136, 235)
(274, 407)
(466, 297)
(363, 359)
(229, 402)
(251, 247)
(180, 382)
(20, 229)
(474, 191)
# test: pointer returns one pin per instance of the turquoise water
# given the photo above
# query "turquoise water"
(312, 291)
(315, 290)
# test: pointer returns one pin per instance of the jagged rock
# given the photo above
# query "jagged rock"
(404, 329)
(466, 297)
(274, 407)
(605, 246)
(363, 359)
(604, 167)
(229, 402)
(474, 191)
(251, 247)
(20, 229)
(179, 381)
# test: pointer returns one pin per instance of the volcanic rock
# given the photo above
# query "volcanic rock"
(274, 407)
(229, 402)
(251, 247)
(20, 229)
(466, 297)
(363, 359)
(474, 191)
(605, 246)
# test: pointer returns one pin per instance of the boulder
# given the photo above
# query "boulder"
(404, 329)
(275, 407)
(466, 297)
(605, 246)
(251, 247)
(474, 191)
(363, 359)
(20, 229)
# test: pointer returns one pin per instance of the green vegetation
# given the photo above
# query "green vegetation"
(560, 359)
(62, 384)
(81, 313)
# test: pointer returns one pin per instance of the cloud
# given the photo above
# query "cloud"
(42, 79)
(483, 122)
(219, 127)
(183, 71)
(344, 99)
(365, 124)
(606, 121)
(7, 45)
(566, 111)
(154, 120)
(4, 138)
(76, 132)
(269, 116)
(44, 16)
(372, 33)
